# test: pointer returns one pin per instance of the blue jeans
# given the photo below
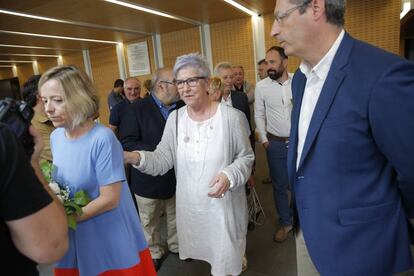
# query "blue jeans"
(277, 161)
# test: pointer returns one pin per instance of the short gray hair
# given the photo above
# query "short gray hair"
(222, 65)
(131, 79)
(335, 10)
(194, 61)
(157, 77)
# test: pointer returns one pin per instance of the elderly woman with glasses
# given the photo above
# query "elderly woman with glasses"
(208, 145)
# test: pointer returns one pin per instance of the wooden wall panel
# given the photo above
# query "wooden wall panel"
(178, 43)
(376, 22)
(151, 60)
(74, 59)
(24, 71)
(6, 73)
(232, 41)
(46, 64)
(105, 71)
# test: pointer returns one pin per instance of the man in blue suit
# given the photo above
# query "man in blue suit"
(351, 148)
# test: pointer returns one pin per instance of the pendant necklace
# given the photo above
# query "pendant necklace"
(187, 139)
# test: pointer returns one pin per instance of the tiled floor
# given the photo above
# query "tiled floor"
(266, 258)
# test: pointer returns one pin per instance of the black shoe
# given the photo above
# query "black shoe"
(157, 263)
(174, 253)
(189, 260)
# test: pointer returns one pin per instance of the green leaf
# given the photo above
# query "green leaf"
(81, 198)
(72, 222)
(47, 169)
(69, 204)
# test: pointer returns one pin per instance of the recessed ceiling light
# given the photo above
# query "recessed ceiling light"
(143, 8)
(59, 37)
(36, 47)
(76, 23)
(16, 61)
(28, 55)
(240, 7)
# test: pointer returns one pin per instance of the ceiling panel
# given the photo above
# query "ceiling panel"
(261, 6)
(102, 13)
(28, 51)
(210, 11)
(46, 42)
(105, 21)
(20, 24)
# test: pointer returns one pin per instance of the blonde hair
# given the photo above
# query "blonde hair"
(79, 94)
(216, 84)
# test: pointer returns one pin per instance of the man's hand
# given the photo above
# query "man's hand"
(251, 182)
(221, 183)
(265, 144)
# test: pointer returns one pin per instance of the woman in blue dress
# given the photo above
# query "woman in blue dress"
(86, 155)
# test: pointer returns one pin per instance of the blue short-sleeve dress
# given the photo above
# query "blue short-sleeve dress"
(111, 243)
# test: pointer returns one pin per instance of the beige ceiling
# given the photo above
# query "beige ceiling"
(97, 19)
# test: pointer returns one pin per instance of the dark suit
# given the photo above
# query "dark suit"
(117, 112)
(141, 129)
(239, 101)
(354, 186)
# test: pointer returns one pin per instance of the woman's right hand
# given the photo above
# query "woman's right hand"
(132, 158)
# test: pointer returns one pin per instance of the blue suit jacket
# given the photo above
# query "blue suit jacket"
(354, 187)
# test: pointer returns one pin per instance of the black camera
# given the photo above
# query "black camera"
(17, 115)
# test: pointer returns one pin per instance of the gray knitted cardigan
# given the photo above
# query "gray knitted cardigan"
(238, 153)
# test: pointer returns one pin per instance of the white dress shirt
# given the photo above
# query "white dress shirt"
(227, 101)
(273, 107)
(316, 77)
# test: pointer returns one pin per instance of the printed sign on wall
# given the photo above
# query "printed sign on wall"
(138, 59)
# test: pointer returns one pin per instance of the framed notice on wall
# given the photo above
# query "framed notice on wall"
(138, 59)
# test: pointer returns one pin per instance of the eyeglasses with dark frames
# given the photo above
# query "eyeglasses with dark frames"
(168, 82)
(192, 82)
(281, 16)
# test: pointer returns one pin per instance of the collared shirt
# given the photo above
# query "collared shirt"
(227, 101)
(165, 110)
(273, 107)
(316, 77)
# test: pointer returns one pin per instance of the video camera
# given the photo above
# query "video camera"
(17, 116)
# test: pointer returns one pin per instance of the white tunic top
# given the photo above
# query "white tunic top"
(206, 236)
(209, 229)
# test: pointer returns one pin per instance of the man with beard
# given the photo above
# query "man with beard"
(272, 108)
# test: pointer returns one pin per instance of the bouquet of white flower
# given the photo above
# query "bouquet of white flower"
(73, 206)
